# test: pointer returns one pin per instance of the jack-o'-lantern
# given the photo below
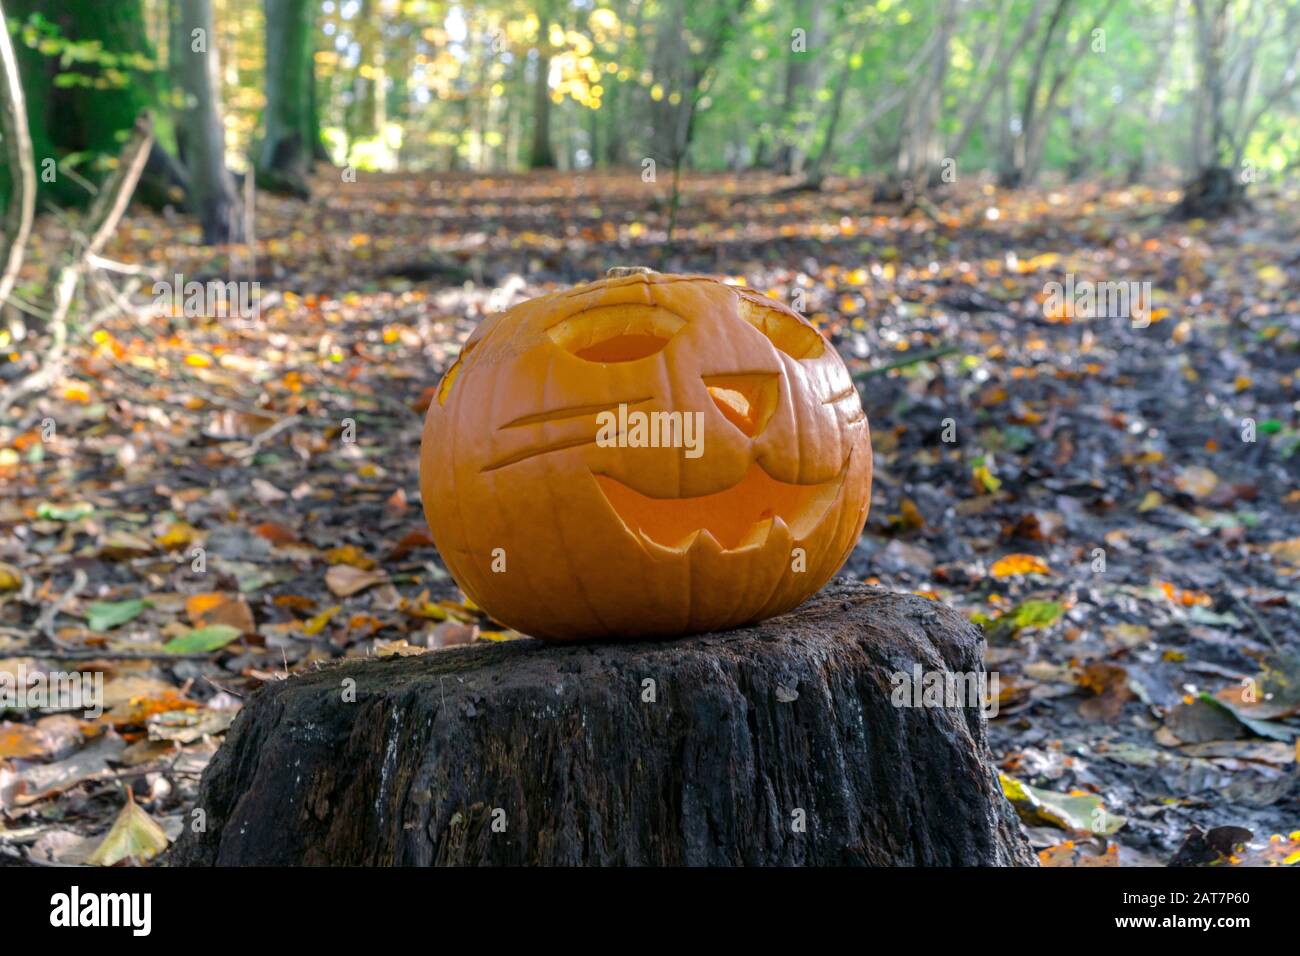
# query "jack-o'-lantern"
(648, 454)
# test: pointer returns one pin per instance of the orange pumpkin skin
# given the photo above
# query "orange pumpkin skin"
(565, 537)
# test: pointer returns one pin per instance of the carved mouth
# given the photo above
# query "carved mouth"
(741, 516)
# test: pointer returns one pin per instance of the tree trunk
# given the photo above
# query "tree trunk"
(366, 116)
(817, 169)
(285, 155)
(315, 140)
(802, 80)
(782, 743)
(1036, 137)
(1213, 190)
(93, 115)
(542, 156)
(1012, 169)
(200, 133)
(975, 113)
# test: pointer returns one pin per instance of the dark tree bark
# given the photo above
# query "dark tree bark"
(803, 75)
(90, 116)
(527, 753)
(541, 155)
(816, 171)
(1213, 190)
(285, 155)
(200, 134)
(1014, 159)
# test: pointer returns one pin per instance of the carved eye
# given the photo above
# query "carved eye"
(616, 333)
(747, 401)
(782, 329)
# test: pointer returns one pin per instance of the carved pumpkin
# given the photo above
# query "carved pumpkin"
(558, 513)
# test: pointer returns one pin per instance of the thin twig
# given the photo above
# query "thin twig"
(45, 623)
(912, 359)
(1258, 622)
(18, 150)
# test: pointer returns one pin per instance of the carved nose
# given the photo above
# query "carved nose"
(748, 400)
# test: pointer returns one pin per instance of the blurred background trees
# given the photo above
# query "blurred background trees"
(1202, 90)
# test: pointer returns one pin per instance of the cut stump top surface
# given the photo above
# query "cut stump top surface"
(777, 743)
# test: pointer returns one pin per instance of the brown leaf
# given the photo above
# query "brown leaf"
(216, 607)
(1075, 854)
(1109, 682)
(419, 538)
(277, 534)
(344, 580)
(452, 633)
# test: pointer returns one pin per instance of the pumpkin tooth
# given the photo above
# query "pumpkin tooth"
(758, 534)
(675, 524)
(704, 538)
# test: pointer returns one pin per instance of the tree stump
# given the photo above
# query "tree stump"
(778, 743)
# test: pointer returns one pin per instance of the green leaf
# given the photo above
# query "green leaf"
(1037, 613)
(70, 512)
(105, 615)
(202, 639)
(1085, 811)
(1028, 614)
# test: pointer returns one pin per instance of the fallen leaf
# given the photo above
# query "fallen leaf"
(315, 625)
(1287, 551)
(349, 554)
(1015, 565)
(1196, 481)
(344, 580)
(203, 639)
(277, 534)
(134, 837)
(217, 607)
(187, 726)
(106, 615)
(1073, 854)
(19, 740)
(1069, 811)
(11, 578)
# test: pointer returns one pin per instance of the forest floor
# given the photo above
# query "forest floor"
(189, 514)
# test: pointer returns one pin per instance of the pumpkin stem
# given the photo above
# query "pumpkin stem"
(619, 272)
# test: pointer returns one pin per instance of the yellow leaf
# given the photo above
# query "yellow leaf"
(134, 836)
(349, 554)
(11, 579)
(1152, 501)
(1015, 565)
(1288, 551)
(315, 625)
(985, 480)
(177, 535)
(1271, 275)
